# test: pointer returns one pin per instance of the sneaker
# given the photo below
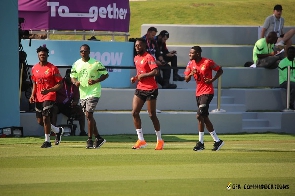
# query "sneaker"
(217, 145)
(98, 142)
(177, 77)
(46, 145)
(58, 136)
(280, 45)
(139, 144)
(89, 144)
(157, 111)
(199, 146)
(169, 86)
(160, 145)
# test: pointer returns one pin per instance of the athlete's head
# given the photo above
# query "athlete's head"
(42, 52)
(140, 46)
(84, 52)
(195, 53)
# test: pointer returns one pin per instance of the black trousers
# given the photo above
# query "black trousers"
(173, 61)
(164, 78)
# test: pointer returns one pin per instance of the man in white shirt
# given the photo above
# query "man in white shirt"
(275, 23)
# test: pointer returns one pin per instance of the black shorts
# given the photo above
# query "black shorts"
(203, 102)
(44, 108)
(146, 94)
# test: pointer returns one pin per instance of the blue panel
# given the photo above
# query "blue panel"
(9, 74)
(65, 53)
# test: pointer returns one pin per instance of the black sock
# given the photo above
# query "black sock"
(98, 137)
(90, 138)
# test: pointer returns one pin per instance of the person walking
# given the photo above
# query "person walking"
(87, 74)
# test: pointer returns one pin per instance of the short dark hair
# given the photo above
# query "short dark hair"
(86, 45)
(197, 48)
(271, 34)
(43, 49)
(278, 7)
(141, 40)
(164, 33)
(152, 29)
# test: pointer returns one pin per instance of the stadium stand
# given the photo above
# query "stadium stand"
(250, 96)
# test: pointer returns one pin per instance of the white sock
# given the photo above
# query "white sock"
(54, 129)
(140, 134)
(158, 134)
(201, 137)
(214, 136)
(47, 137)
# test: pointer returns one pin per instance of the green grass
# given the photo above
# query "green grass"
(116, 169)
(220, 12)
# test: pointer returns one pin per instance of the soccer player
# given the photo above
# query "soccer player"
(87, 73)
(146, 91)
(201, 69)
(46, 81)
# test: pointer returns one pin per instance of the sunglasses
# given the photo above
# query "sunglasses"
(81, 51)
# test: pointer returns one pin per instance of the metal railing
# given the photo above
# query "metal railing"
(83, 33)
(288, 91)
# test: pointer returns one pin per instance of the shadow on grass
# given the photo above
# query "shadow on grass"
(261, 150)
(133, 138)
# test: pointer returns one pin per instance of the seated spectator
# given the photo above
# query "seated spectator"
(263, 52)
(283, 74)
(153, 49)
(275, 22)
(168, 56)
(67, 99)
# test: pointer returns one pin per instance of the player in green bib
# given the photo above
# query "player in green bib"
(283, 74)
(87, 73)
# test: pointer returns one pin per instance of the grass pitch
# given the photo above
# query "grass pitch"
(116, 169)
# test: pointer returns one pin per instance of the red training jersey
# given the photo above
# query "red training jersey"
(45, 77)
(145, 64)
(203, 70)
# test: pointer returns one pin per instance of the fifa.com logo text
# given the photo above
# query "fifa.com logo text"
(232, 186)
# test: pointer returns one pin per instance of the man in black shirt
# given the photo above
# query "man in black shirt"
(168, 56)
(153, 49)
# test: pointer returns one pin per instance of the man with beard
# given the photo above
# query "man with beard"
(201, 69)
(87, 73)
(146, 91)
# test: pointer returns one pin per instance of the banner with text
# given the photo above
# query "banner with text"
(107, 15)
(65, 53)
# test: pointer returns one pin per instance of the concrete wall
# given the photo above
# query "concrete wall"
(209, 34)
(227, 45)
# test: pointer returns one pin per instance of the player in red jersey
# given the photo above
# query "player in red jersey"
(201, 69)
(46, 81)
(146, 91)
